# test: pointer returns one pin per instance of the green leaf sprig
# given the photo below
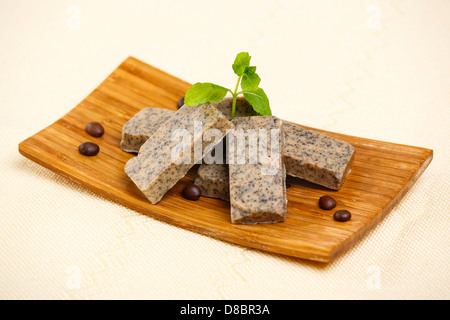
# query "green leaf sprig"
(248, 79)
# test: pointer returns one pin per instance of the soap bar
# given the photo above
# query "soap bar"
(243, 108)
(141, 126)
(212, 179)
(172, 150)
(257, 180)
(316, 157)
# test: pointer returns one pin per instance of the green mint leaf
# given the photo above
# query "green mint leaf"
(250, 70)
(241, 62)
(203, 92)
(250, 80)
(259, 101)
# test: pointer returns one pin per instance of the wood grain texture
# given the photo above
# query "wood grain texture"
(381, 175)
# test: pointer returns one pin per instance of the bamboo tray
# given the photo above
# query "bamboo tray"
(381, 175)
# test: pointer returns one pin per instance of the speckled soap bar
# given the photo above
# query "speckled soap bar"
(243, 108)
(257, 189)
(212, 179)
(141, 126)
(316, 157)
(160, 163)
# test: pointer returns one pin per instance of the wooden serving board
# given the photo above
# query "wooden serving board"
(381, 175)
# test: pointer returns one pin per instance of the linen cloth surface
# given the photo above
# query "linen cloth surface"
(377, 69)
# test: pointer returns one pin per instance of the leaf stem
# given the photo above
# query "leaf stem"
(235, 94)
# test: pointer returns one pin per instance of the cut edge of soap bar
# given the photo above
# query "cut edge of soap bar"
(242, 217)
(143, 169)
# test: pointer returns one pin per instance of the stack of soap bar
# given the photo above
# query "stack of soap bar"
(307, 154)
(257, 187)
(141, 126)
(212, 179)
(161, 163)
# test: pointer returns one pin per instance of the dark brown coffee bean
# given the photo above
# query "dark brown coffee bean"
(95, 129)
(342, 215)
(89, 149)
(191, 192)
(180, 102)
(327, 203)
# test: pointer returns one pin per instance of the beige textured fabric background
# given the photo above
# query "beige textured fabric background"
(377, 69)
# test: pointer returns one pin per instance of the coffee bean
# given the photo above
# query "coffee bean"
(342, 215)
(180, 102)
(327, 203)
(89, 149)
(191, 192)
(95, 129)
